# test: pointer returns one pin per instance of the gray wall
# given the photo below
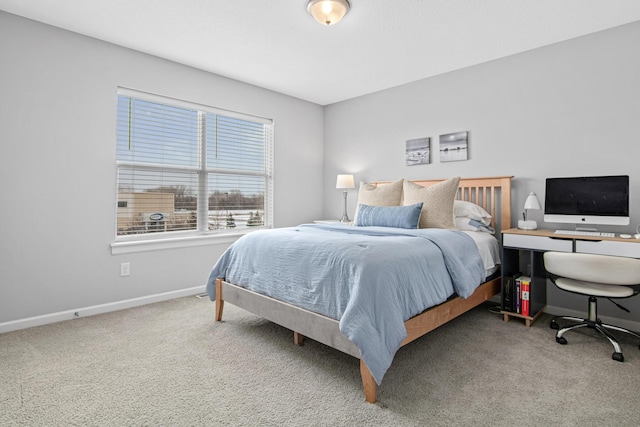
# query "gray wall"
(570, 109)
(57, 168)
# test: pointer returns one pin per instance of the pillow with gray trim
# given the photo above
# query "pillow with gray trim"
(468, 224)
(464, 209)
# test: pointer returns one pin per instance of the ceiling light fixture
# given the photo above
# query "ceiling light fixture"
(328, 12)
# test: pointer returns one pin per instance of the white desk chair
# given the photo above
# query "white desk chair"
(595, 276)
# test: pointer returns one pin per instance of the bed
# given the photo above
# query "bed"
(365, 290)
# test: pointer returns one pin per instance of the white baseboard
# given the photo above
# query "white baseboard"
(45, 319)
(559, 311)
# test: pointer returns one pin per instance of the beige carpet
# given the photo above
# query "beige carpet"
(170, 364)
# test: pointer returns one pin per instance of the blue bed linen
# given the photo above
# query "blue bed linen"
(371, 278)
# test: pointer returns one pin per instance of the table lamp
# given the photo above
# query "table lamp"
(344, 182)
(532, 202)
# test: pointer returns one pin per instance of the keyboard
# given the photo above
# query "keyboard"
(585, 233)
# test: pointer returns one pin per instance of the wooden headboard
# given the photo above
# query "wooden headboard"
(493, 194)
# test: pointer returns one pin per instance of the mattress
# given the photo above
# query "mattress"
(489, 250)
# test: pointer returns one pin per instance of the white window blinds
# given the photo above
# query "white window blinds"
(189, 168)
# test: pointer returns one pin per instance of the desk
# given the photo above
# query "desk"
(522, 252)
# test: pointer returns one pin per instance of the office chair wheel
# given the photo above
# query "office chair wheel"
(561, 340)
(554, 325)
(618, 356)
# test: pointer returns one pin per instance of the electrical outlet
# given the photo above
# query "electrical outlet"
(125, 269)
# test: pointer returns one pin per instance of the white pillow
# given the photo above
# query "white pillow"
(463, 209)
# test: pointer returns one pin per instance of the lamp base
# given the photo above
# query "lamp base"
(527, 225)
(345, 217)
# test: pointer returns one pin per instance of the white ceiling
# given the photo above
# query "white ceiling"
(277, 45)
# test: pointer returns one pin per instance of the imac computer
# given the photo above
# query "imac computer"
(587, 201)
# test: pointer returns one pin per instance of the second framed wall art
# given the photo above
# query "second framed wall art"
(454, 146)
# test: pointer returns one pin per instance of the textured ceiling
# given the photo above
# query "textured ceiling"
(277, 45)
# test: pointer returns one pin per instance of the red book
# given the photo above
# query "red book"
(525, 287)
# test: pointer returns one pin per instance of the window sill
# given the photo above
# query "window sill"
(133, 246)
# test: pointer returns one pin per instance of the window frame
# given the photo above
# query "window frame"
(201, 235)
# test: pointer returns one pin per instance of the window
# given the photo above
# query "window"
(190, 169)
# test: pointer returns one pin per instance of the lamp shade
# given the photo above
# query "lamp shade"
(532, 202)
(328, 12)
(345, 181)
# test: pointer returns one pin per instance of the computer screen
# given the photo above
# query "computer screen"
(591, 200)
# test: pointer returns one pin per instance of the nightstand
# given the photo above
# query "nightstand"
(330, 221)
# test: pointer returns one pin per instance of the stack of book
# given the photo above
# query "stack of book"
(516, 293)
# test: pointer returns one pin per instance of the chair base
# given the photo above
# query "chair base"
(594, 323)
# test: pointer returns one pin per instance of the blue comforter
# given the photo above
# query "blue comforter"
(371, 278)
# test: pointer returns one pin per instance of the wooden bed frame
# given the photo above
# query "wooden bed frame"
(493, 194)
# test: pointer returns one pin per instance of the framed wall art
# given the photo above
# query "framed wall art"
(454, 146)
(418, 151)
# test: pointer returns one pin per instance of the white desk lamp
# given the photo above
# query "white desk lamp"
(344, 182)
(532, 202)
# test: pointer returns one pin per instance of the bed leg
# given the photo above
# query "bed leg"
(219, 300)
(298, 338)
(368, 383)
